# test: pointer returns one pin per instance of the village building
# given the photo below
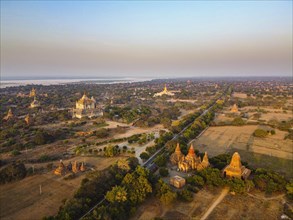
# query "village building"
(235, 169)
(164, 92)
(9, 115)
(86, 107)
(177, 181)
(61, 169)
(35, 103)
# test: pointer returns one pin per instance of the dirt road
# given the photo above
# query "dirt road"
(216, 202)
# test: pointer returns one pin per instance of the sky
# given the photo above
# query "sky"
(157, 39)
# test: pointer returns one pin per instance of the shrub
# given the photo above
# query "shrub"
(163, 172)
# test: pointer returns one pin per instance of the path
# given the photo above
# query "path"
(216, 202)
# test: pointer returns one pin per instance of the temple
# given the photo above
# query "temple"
(86, 107)
(177, 181)
(234, 109)
(189, 162)
(235, 168)
(32, 93)
(35, 103)
(164, 92)
(9, 115)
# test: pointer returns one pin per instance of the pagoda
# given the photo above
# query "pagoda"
(75, 167)
(234, 109)
(177, 156)
(35, 103)
(164, 92)
(204, 163)
(9, 115)
(236, 169)
(33, 93)
(61, 169)
(82, 167)
(27, 119)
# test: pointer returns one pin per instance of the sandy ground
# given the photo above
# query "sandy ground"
(246, 207)
(240, 95)
(22, 199)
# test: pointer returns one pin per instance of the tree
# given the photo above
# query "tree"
(123, 165)
(195, 180)
(164, 192)
(289, 188)
(111, 151)
(260, 133)
(238, 121)
(163, 172)
(144, 156)
(118, 194)
(137, 185)
(185, 195)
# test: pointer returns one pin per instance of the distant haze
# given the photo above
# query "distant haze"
(145, 38)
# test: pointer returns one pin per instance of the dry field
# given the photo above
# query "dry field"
(22, 199)
(272, 152)
(246, 207)
(240, 95)
(179, 210)
(232, 207)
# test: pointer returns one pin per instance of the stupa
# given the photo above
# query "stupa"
(234, 109)
(204, 163)
(32, 93)
(61, 169)
(236, 169)
(82, 167)
(164, 92)
(28, 119)
(35, 103)
(9, 115)
(177, 156)
(75, 167)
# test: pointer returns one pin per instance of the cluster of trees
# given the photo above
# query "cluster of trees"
(12, 172)
(269, 181)
(94, 187)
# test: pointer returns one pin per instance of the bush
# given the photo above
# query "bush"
(260, 133)
(15, 152)
(185, 195)
(13, 172)
(163, 172)
(144, 156)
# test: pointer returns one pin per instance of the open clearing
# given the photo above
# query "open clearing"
(22, 199)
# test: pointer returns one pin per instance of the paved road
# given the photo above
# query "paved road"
(216, 202)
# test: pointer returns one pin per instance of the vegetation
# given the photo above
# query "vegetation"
(12, 172)
(260, 133)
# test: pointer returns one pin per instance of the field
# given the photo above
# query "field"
(22, 199)
(231, 207)
(271, 152)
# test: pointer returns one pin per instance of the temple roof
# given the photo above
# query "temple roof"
(85, 100)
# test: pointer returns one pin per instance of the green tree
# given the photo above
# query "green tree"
(163, 172)
(144, 156)
(118, 194)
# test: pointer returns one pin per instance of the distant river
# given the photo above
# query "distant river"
(13, 83)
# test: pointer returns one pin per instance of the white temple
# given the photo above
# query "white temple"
(164, 92)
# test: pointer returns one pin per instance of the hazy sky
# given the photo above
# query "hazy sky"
(146, 38)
